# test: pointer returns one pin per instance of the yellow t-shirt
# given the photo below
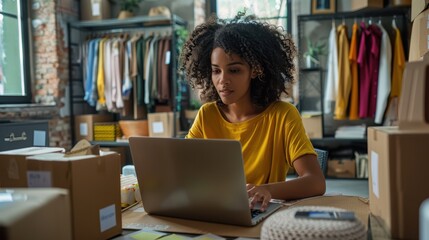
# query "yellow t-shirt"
(270, 141)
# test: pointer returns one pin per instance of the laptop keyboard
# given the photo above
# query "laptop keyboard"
(255, 212)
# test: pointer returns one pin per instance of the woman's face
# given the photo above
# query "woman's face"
(231, 76)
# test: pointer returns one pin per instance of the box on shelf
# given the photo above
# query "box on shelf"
(161, 124)
(397, 170)
(13, 164)
(417, 6)
(363, 4)
(39, 214)
(94, 10)
(341, 168)
(20, 134)
(106, 131)
(94, 185)
(312, 124)
(84, 125)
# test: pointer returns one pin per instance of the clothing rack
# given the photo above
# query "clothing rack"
(401, 15)
(317, 27)
(78, 31)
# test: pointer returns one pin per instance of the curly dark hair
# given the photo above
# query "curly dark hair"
(267, 48)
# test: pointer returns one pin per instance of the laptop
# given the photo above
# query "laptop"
(199, 179)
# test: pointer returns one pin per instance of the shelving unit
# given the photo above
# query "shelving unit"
(317, 27)
(78, 31)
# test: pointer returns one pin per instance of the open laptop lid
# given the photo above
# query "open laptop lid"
(201, 179)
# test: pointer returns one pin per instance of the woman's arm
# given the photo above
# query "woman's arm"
(310, 182)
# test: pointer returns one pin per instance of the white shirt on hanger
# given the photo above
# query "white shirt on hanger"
(384, 75)
(332, 71)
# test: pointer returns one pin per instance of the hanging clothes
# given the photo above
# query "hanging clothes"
(384, 75)
(93, 94)
(108, 74)
(354, 98)
(101, 103)
(364, 79)
(344, 74)
(164, 91)
(398, 66)
(332, 71)
(369, 57)
(374, 65)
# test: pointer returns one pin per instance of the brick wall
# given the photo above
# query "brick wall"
(50, 68)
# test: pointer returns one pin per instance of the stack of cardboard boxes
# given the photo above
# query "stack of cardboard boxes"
(398, 158)
(92, 182)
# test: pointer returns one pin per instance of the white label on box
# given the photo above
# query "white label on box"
(5, 197)
(107, 218)
(157, 127)
(39, 179)
(95, 7)
(39, 138)
(167, 57)
(83, 129)
(374, 174)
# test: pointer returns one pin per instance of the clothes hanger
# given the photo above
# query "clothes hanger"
(394, 22)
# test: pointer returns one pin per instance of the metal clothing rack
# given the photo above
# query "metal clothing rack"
(317, 26)
(76, 33)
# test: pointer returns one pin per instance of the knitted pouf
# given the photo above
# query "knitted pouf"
(284, 225)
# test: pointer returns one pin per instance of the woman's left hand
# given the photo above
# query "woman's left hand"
(258, 194)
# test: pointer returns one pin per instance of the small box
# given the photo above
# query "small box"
(398, 170)
(94, 185)
(417, 6)
(312, 124)
(84, 125)
(94, 10)
(161, 124)
(38, 214)
(341, 168)
(364, 4)
(13, 165)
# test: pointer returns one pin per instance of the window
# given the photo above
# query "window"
(14, 57)
(274, 11)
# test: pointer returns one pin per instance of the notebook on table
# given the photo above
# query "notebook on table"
(199, 179)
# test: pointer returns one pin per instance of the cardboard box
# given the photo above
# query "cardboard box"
(417, 6)
(161, 124)
(94, 10)
(413, 111)
(312, 125)
(363, 4)
(94, 185)
(341, 168)
(37, 214)
(398, 172)
(419, 43)
(13, 164)
(124, 152)
(21, 134)
(84, 125)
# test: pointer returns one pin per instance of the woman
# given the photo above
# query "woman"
(241, 68)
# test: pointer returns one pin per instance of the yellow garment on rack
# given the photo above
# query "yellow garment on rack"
(344, 75)
(398, 66)
(101, 103)
(354, 98)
